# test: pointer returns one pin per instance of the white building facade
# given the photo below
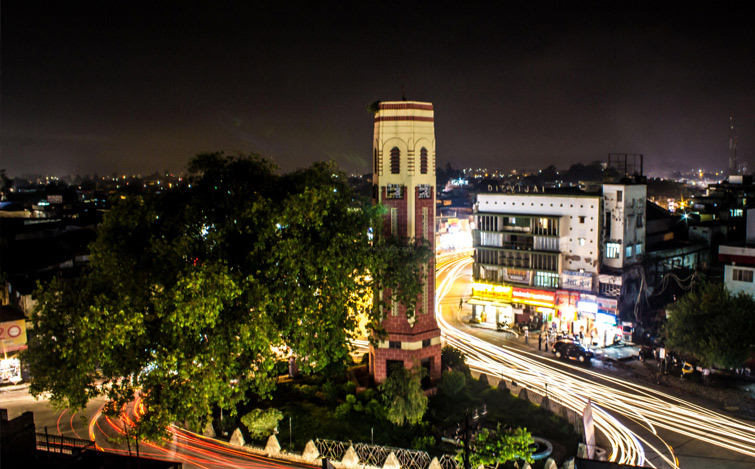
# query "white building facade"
(538, 258)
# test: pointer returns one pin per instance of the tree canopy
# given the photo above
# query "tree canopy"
(712, 325)
(194, 293)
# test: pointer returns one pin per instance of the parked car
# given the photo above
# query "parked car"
(572, 350)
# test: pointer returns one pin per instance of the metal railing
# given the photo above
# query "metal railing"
(375, 455)
(62, 444)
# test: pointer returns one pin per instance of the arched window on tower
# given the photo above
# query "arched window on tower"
(395, 160)
(375, 160)
(423, 160)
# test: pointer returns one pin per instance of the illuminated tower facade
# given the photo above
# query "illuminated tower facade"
(403, 180)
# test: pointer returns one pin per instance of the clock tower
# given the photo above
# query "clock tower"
(403, 152)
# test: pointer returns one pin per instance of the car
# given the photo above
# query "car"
(572, 350)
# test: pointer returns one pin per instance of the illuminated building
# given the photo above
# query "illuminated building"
(404, 182)
(739, 261)
(545, 255)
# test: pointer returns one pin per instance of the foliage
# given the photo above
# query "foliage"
(360, 403)
(194, 294)
(453, 359)
(712, 325)
(495, 448)
(403, 396)
(373, 107)
(423, 443)
(452, 382)
(262, 423)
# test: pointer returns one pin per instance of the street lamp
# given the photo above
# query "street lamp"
(472, 425)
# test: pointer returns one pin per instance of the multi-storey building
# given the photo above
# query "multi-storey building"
(556, 256)
(739, 261)
(404, 182)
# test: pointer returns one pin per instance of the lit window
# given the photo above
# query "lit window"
(638, 249)
(612, 250)
(581, 241)
(629, 251)
(741, 275)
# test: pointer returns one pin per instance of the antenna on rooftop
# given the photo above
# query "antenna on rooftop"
(733, 166)
(403, 95)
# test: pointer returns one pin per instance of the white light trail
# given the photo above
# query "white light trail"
(647, 408)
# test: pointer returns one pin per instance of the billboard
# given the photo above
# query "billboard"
(572, 280)
(533, 297)
(12, 335)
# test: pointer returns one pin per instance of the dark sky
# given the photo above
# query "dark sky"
(141, 87)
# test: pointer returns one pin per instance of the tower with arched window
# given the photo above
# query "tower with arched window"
(404, 182)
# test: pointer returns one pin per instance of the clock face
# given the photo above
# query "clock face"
(425, 191)
(393, 191)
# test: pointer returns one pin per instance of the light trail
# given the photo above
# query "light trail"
(648, 409)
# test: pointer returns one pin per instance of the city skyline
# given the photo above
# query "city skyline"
(121, 88)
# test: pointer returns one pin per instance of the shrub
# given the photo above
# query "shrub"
(453, 358)
(452, 383)
(262, 423)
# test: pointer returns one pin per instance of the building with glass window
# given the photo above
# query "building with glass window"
(558, 256)
(739, 261)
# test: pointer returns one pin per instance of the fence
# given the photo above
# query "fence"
(376, 456)
(62, 444)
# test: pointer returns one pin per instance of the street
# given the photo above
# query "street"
(636, 424)
(191, 449)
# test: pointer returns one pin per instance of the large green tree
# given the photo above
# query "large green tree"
(193, 294)
(712, 325)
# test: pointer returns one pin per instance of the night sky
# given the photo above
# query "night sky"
(133, 87)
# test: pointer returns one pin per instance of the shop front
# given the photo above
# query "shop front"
(491, 304)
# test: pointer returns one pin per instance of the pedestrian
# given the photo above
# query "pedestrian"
(526, 334)
(540, 341)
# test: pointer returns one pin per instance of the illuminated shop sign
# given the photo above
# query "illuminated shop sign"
(609, 319)
(12, 335)
(534, 297)
(608, 304)
(516, 275)
(491, 292)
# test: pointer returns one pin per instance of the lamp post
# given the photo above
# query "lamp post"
(472, 424)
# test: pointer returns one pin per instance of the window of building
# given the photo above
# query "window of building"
(423, 160)
(638, 249)
(619, 196)
(582, 220)
(581, 241)
(375, 161)
(394, 344)
(546, 279)
(629, 252)
(612, 250)
(741, 275)
(426, 343)
(395, 160)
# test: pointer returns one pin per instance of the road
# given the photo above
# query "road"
(636, 424)
(191, 449)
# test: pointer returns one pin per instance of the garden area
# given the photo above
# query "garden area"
(399, 414)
